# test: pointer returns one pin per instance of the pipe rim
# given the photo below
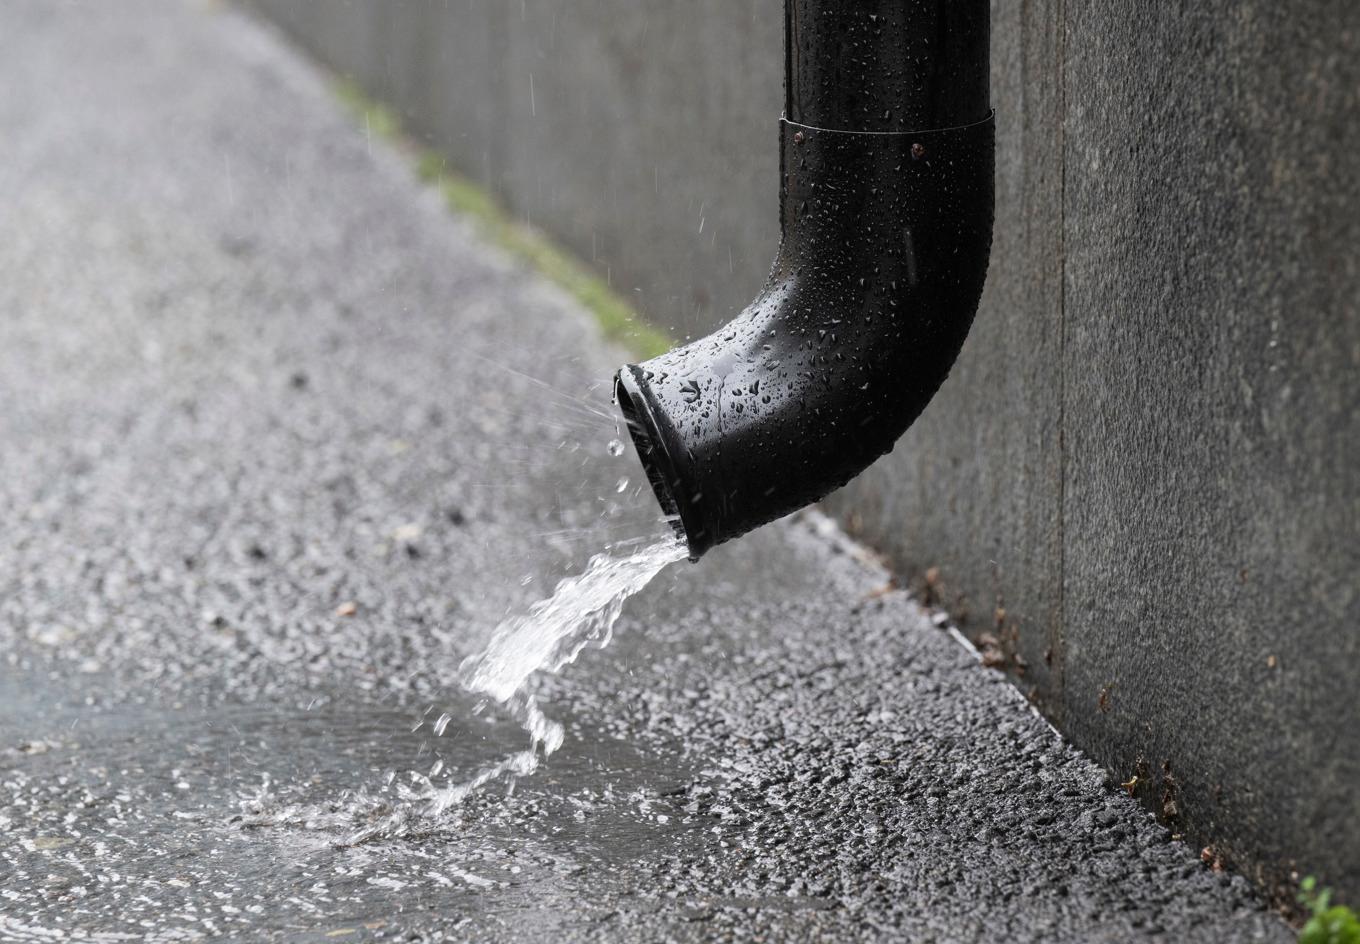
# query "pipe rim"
(655, 449)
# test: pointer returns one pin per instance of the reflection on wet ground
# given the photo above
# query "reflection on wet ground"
(238, 819)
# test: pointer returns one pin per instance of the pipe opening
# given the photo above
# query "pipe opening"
(647, 441)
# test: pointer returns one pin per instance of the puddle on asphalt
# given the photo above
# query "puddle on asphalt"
(243, 817)
(450, 763)
(581, 612)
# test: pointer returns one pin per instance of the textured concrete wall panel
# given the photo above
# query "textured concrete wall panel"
(1212, 417)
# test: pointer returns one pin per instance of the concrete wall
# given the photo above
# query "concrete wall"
(1141, 476)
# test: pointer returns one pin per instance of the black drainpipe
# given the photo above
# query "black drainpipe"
(886, 148)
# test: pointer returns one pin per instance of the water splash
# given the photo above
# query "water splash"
(581, 612)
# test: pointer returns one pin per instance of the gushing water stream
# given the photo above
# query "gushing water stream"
(582, 611)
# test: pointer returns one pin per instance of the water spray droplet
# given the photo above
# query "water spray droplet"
(442, 724)
(615, 447)
(623, 484)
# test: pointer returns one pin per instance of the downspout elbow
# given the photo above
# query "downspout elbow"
(884, 250)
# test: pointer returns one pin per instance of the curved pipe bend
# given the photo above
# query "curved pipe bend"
(886, 237)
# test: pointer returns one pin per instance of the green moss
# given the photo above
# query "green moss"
(617, 319)
(377, 118)
(1329, 924)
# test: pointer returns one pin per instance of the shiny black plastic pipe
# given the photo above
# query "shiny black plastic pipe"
(886, 149)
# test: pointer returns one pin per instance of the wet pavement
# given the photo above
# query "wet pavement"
(284, 441)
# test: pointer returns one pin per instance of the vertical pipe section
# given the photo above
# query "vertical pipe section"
(886, 65)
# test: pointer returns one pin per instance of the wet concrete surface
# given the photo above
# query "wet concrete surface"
(284, 442)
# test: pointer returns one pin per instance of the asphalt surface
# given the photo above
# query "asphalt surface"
(253, 377)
